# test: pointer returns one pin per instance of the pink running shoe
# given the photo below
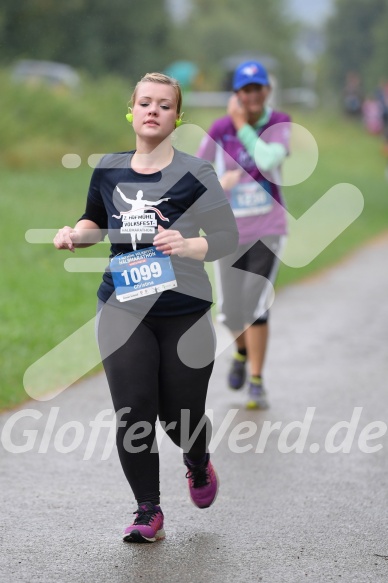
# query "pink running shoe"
(147, 526)
(203, 482)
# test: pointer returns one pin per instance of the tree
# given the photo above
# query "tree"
(357, 41)
(220, 28)
(377, 69)
(130, 38)
(120, 36)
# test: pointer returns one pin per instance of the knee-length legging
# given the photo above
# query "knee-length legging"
(156, 367)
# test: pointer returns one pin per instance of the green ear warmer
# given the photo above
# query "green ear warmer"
(179, 121)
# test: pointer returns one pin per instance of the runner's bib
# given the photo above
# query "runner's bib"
(251, 198)
(141, 273)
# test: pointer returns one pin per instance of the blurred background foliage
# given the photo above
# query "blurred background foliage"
(111, 45)
(128, 38)
(357, 42)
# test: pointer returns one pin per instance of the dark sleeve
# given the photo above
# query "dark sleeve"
(95, 209)
(214, 214)
(219, 226)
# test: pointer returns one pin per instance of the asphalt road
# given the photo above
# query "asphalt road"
(304, 502)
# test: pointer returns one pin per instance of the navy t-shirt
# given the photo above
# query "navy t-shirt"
(185, 196)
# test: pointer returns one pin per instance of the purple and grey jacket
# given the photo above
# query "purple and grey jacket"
(257, 214)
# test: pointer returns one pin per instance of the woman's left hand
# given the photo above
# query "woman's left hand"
(170, 242)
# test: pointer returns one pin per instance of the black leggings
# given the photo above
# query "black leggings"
(155, 369)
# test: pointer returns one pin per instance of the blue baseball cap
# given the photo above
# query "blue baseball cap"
(250, 72)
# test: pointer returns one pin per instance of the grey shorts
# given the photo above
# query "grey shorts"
(242, 296)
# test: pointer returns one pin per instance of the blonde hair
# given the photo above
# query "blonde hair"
(164, 79)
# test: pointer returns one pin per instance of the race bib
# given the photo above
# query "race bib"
(141, 273)
(250, 198)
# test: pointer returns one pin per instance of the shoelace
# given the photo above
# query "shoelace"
(144, 516)
(199, 475)
(238, 365)
(255, 389)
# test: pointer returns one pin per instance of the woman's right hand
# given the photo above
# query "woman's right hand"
(237, 112)
(66, 238)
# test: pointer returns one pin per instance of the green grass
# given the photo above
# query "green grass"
(346, 155)
(42, 304)
(38, 126)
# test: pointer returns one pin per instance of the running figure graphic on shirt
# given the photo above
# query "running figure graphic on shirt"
(137, 221)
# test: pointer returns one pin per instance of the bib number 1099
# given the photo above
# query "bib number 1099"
(142, 273)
